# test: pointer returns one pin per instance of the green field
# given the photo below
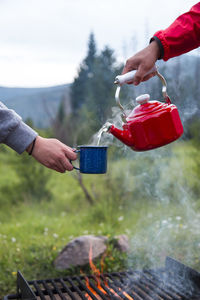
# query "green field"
(152, 197)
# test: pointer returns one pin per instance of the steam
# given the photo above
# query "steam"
(158, 176)
(161, 239)
(189, 111)
(175, 233)
(104, 138)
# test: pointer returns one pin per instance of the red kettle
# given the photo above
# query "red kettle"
(151, 124)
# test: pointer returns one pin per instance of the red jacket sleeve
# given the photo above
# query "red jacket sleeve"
(183, 35)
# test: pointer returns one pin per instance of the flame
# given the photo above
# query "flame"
(92, 266)
(97, 274)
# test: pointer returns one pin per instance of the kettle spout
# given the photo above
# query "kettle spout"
(123, 135)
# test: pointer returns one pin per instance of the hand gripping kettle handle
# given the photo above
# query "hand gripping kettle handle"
(128, 77)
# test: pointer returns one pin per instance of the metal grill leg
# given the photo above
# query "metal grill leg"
(24, 289)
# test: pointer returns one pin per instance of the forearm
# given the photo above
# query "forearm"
(182, 36)
(16, 134)
(13, 131)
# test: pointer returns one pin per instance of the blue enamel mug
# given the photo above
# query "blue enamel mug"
(93, 159)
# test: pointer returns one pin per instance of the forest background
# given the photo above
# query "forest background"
(152, 197)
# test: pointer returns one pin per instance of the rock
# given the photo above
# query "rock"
(122, 243)
(76, 252)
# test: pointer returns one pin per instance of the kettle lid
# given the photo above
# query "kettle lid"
(145, 106)
(142, 99)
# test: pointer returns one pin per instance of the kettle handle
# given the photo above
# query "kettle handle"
(128, 77)
(125, 78)
(164, 87)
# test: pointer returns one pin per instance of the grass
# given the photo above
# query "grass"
(32, 233)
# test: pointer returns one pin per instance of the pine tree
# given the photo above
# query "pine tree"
(78, 89)
(61, 112)
(91, 55)
(92, 92)
(62, 125)
(100, 97)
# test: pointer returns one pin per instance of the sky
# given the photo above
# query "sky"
(42, 42)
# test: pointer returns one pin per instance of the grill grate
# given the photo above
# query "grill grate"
(174, 282)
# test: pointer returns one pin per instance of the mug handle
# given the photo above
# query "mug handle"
(76, 151)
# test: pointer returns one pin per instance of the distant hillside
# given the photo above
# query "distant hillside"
(39, 104)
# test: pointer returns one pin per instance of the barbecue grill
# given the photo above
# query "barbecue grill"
(174, 281)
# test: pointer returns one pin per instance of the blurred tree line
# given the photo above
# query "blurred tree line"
(92, 96)
(92, 100)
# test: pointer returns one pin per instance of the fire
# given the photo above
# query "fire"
(97, 274)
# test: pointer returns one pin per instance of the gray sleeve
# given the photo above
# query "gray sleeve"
(13, 131)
